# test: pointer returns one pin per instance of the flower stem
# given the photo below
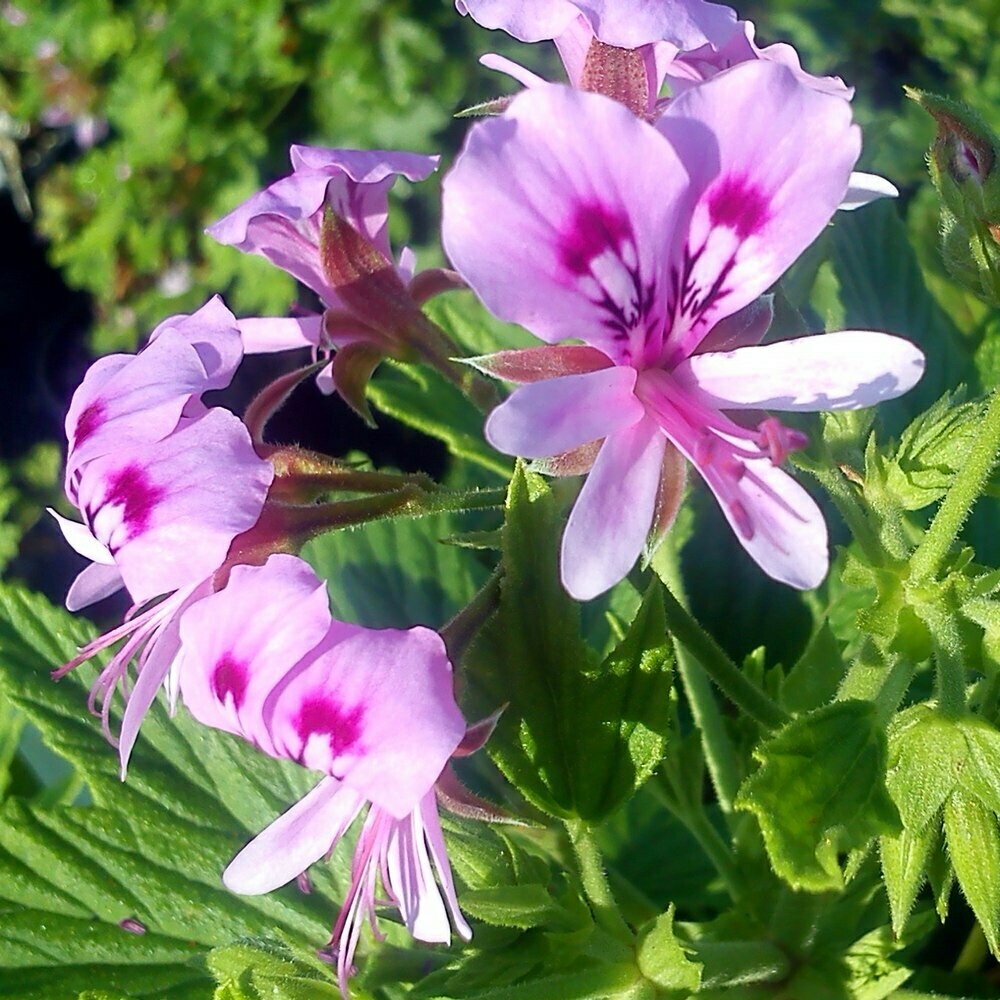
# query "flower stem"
(965, 491)
(720, 756)
(727, 676)
(838, 488)
(590, 863)
(949, 660)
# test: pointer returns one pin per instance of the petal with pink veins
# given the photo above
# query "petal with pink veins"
(783, 157)
(376, 709)
(294, 840)
(240, 643)
(833, 371)
(610, 521)
(582, 234)
(548, 418)
(773, 518)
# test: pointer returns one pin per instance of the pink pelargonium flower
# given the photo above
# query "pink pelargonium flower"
(326, 225)
(618, 49)
(372, 710)
(627, 50)
(165, 486)
(574, 218)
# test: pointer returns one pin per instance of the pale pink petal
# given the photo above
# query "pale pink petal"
(439, 854)
(154, 665)
(688, 23)
(526, 20)
(863, 189)
(833, 371)
(294, 840)
(552, 225)
(510, 68)
(685, 23)
(774, 519)
(267, 335)
(140, 402)
(212, 332)
(573, 44)
(239, 644)
(92, 585)
(785, 153)
(609, 523)
(547, 418)
(376, 709)
(169, 511)
(81, 540)
(412, 882)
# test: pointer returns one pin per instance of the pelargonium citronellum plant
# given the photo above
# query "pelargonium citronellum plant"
(688, 772)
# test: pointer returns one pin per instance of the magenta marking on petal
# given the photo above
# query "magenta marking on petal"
(321, 716)
(88, 422)
(230, 679)
(137, 495)
(742, 519)
(594, 231)
(738, 204)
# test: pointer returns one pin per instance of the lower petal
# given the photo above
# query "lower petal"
(774, 519)
(551, 417)
(294, 840)
(609, 523)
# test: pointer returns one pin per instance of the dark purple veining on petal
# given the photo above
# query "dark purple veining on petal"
(599, 249)
(230, 679)
(88, 422)
(321, 716)
(137, 495)
(594, 230)
(738, 204)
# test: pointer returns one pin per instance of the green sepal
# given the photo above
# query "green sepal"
(973, 841)
(821, 790)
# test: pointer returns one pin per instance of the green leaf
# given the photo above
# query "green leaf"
(820, 790)
(530, 655)
(663, 961)
(396, 573)
(974, 848)
(267, 970)
(624, 712)
(577, 738)
(905, 858)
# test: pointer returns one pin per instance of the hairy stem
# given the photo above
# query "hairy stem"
(594, 878)
(968, 486)
(727, 676)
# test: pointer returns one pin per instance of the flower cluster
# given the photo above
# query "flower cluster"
(636, 234)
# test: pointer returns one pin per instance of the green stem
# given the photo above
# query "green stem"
(694, 817)
(965, 491)
(720, 755)
(727, 676)
(844, 498)
(590, 863)
(882, 680)
(949, 659)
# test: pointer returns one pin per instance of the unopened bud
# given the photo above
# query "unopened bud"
(963, 167)
(963, 159)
